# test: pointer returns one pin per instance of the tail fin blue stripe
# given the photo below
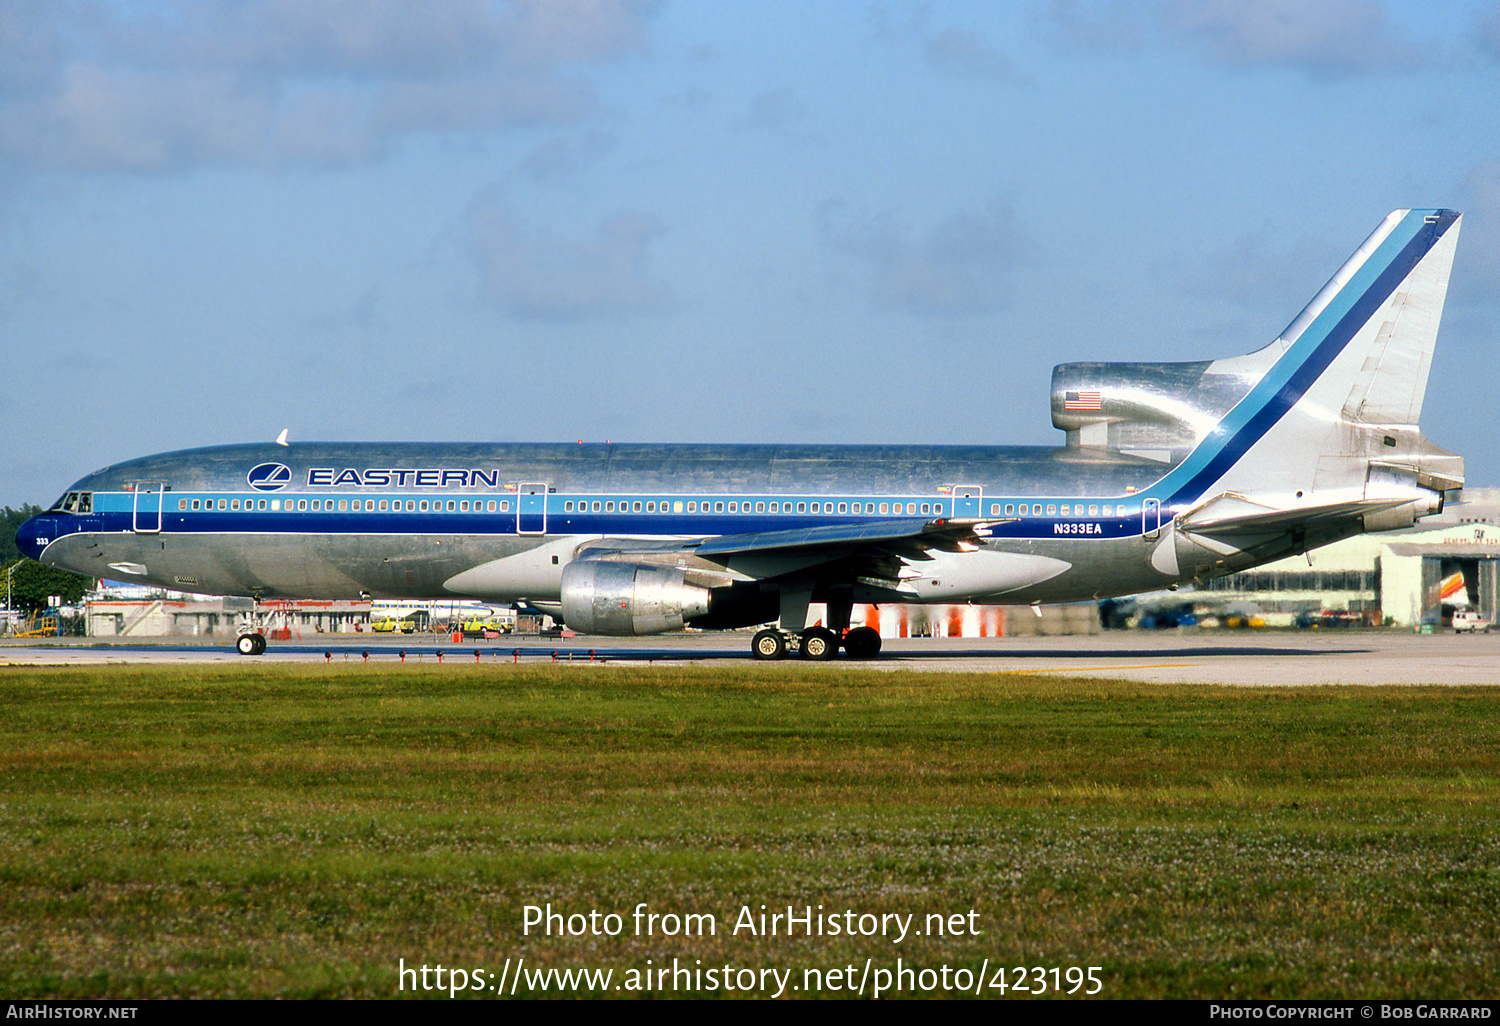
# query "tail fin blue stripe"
(1312, 353)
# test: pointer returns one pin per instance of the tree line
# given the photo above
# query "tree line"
(31, 583)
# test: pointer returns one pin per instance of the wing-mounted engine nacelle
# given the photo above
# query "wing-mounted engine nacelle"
(627, 599)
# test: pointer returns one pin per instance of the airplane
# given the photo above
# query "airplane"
(1170, 473)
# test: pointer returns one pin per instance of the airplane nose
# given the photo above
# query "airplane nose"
(33, 536)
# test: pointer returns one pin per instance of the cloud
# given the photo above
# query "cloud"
(1095, 25)
(1476, 269)
(95, 86)
(125, 119)
(963, 53)
(1254, 273)
(1488, 32)
(1327, 37)
(964, 264)
(955, 51)
(777, 111)
(536, 273)
(559, 158)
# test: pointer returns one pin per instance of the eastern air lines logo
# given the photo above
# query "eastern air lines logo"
(269, 477)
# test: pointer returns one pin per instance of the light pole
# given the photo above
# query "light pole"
(8, 607)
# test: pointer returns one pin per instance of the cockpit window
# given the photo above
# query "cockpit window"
(75, 502)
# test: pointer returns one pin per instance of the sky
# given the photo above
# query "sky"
(781, 221)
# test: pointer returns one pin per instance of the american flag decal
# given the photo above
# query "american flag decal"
(1083, 401)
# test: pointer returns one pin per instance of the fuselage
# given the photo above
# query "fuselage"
(329, 520)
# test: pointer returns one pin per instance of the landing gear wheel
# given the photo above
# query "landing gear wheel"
(862, 643)
(819, 643)
(768, 644)
(251, 644)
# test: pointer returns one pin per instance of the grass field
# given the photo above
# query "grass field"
(298, 831)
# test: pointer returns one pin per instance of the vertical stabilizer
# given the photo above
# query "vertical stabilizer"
(1348, 379)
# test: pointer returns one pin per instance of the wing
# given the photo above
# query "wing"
(878, 550)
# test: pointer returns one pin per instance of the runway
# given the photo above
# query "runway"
(1240, 658)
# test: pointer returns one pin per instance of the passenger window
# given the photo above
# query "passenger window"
(382, 505)
(423, 506)
(1010, 509)
(692, 507)
(261, 505)
(1093, 511)
(1109, 511)
(411, 505)
(718, 507)
(492, 505)
(775, 507)
(343, 505)
(760, 507)
(651, 507)
(676, 506)
(1051, 509)
(275, 505)
(926, 509)
(182, 504)
(195, 503)
(609, 507)
(452, 505)
(801, 507)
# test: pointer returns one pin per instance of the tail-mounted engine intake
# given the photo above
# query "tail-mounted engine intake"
(1156, 410)
(623, 599)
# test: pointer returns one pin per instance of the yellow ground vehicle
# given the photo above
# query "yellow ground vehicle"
(484, 627)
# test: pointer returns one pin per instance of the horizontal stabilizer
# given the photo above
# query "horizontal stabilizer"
(1230, 513)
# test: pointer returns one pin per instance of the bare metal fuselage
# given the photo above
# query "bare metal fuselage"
(209, 534)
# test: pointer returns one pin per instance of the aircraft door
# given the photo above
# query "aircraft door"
(145, 507)
(968, 500)
(531, 509)
(1151, 519)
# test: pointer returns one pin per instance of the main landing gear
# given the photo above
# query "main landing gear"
(816, 643)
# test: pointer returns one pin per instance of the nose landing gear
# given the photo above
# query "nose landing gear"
(251, 644)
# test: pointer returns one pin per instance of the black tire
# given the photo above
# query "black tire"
(768, 644)
(862, 643)
(819, 643)
(245, 644)
(260, 644)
